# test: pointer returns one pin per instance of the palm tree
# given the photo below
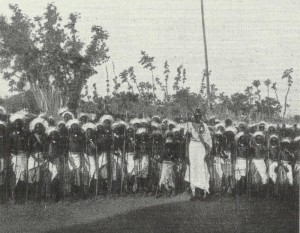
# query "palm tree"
(147, 62)
(256, 84)
(274, 87)
(287, 75)
(268, 83)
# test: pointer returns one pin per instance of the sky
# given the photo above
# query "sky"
(246, 39)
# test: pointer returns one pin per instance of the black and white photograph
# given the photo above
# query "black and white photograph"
(138, 116)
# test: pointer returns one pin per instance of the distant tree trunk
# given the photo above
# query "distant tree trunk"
(153, 87)
(49, 99)
(285, 102)
(269, 111)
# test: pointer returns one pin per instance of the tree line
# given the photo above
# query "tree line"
(48, 56)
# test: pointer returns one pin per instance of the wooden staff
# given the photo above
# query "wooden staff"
(63, 178)
(3, 188)
(27, 180)
(249, 182)
(47, 180)
(268, 169)
(160, 171)
(122, 159)
(136, 172)
(187, 150)
(110, 163)
(65, 153)
(38, 171)
(97, 169)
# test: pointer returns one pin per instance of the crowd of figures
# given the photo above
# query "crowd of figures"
(45, 160)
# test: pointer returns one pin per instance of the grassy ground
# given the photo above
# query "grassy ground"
(148, 214)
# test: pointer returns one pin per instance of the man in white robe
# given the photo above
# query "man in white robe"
(200, 144)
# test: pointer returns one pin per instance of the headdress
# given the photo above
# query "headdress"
(88, 125)
(141, 131)
(106, 117)
(3, 109)
(238, 135)
(118, 124)
(20, 115)
(50, 130)
(72, 122)
(2, 123)
(36, 121)
(258, 133)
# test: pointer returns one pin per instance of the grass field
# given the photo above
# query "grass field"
(149, 214)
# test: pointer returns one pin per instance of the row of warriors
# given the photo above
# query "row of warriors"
(79, 158)
(260, 159)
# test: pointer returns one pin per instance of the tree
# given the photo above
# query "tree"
(297, 118)
(256, 84)
(268, 83)
(147, 62)
(132, 76)
(178, 78)
(223, 104)
(47, 56)
(287, 75)
(124, 77)
(146, 97)
(269, 107)
(239, 104)
(274, 87)
(166, 73)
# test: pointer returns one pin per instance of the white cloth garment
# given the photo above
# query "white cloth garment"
(1, 164)
(297, 173)
(53, 168)
(272, 170)
(115, 162)
(240, 168)
(197, 172)
(19, 166)
(259, 171)
(287, 177)
(167, 177)
(90, 166)
(141, 166)
(130, 163)
(217, 167)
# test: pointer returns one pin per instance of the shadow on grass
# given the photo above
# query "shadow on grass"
(215, 215)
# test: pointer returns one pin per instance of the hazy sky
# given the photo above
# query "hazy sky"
(247, 39)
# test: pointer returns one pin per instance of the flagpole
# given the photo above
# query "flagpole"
(206, 72)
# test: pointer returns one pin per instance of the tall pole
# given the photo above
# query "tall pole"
(206, 73)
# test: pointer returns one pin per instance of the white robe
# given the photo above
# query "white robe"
(197, 172)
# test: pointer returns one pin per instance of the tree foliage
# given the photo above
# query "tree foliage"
(48, 57)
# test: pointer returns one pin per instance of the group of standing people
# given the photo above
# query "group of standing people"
(45, 159)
